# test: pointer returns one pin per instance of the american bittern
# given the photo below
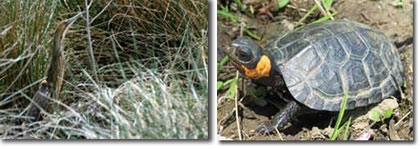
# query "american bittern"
(51, 87)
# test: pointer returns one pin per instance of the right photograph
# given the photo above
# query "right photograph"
(306, 70)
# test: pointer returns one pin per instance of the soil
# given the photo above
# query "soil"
(395, 21)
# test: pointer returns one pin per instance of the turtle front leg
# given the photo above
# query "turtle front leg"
(280, 119)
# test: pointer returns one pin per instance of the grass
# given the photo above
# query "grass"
(235, 20)
(337, 128)
(150, 60)
(321, 10)
(324, 7)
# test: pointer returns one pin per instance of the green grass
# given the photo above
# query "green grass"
(24, 45)
(337, 128)
(240, 5)
(232, 83)
(150, 59)
(282, 3)
(399, 3)
(235, 20)
(325, 6)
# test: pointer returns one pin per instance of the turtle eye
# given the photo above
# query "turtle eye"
(244, 55)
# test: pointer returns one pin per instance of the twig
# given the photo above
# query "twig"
(226, 117)
(6, 100)
(107, 5)
(405, 116)
(325, 13)
(236, 109)
(2, 33)
(92, 57)
(278, 132)
(21, 71)
(247, 109)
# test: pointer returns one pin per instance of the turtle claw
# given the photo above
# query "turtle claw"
(265, 128)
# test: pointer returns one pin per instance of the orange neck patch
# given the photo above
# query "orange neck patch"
(262, 70)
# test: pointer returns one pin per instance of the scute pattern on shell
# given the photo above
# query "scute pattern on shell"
(321, 61)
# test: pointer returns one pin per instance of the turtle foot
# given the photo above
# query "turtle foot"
(265, 128)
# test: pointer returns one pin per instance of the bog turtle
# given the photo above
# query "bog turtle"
(315, 65)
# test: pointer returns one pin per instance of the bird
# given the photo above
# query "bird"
(51, 87)
(40, 100)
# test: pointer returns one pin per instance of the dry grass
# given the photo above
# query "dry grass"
(150, 59)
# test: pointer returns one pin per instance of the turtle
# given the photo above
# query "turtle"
(316, 66)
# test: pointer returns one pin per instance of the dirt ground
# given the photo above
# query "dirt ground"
(396, 21)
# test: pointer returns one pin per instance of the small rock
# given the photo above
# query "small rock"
(363, 137)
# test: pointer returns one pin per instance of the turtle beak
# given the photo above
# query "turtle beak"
(238, 64)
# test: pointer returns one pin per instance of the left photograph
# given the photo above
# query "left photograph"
(89, 69)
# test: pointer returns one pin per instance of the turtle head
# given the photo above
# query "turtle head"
(249, 59)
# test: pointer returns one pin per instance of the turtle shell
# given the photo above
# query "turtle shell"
(320, 62)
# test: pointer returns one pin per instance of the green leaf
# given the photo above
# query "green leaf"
(241, 6)
(219, 85)
(221, 63)
(346, 131)
(314, 7)
(337, 130)
(324, 18)
(282, 3)
(252, 34)
(228, 15)
(375, 116)
(327, 4)
(228, 82)
(405, 84)
(399, 3)
(387, 113)
(232, 89)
